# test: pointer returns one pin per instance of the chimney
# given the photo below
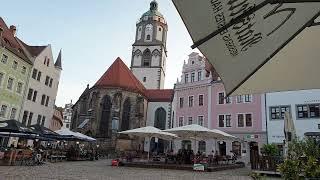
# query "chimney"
(13, 29)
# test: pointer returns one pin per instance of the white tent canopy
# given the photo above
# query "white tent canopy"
(270, 49)
(150, 132)
(67, 132)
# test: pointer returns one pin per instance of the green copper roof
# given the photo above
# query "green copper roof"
(153, 11)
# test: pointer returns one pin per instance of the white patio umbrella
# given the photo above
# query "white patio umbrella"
(251, 43)
(150, 132)
(67, 132)
(196, 132)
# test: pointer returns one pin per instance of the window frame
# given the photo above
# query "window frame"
(201, 104)
(12, 84)
(190, 99)
(219, 98)
(278, 115)
(181, 120)
(201, 117)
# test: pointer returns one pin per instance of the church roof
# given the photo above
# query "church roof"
(160, 95)
(119, 75)
(58, 63)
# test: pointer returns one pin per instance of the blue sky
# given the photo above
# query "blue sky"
(92, 34)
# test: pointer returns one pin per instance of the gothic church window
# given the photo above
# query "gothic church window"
(126, 115)
(105, 116)
(148, 32)
(146, 58)
(160, 118)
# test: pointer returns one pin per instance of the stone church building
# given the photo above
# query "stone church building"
(126, 98)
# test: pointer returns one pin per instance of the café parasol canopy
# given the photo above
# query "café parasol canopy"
(257, 46)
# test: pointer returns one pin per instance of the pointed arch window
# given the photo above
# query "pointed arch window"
(146, 60)
(105, 116)
(148, 37)
(126, 115)
(160, 118)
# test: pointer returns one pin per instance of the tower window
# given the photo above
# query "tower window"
(148, 37)
(159, 29)
(144, 79)
(146, 58)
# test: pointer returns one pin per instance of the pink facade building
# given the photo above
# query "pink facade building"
(200, 99)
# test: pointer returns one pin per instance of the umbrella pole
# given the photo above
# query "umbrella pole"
(149, 149)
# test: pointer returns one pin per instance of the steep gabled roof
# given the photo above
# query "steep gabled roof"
(33, 50)
(58, 63)
(159, 95)
(10, 42)
(119, 75)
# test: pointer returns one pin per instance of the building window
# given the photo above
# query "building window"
(4, 59)
(39, 76)
(144, 79)
(48, 61)
(43, 98)
(14, 65)
(189, 120)
(10, 83)
(202, 146)
(186, 78)
(47, 80)
(192, 77)
(148, 37)
(43, 120)
(275, 112)
(3, 111)
(13, 113)
(50, 83)
(199, 75)
(181, 102)
(248, 120)
(24, 118)
(248, 98)
(146, 58)
(30, 118)
(190, 101)
(201, 100)
(24, 69)
(1, 78)
(19, 87)
(30, 93)
(240, 120)
(239, 99)
(47, 101)
(308, 111)
(200, 120)
(34, 96)
(228, 100)
(34, 73)
(228, 120)
(221, 98)
(221, 120)
(180, 121)
(39, 119)
(67, 125)
(314, 110)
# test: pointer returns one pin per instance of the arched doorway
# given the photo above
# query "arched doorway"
(222, 148)
(105, 116)
(126, 115)
(160, 123)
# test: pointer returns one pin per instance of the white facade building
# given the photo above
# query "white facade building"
(304, 109)
(67, 115)
(43, 86)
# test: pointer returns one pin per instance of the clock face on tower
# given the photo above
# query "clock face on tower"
(149, 27)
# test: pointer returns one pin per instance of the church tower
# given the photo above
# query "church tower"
(149, 52)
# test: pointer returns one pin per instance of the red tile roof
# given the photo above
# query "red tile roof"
(119, 75)
(159, 95)
(11, 42)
